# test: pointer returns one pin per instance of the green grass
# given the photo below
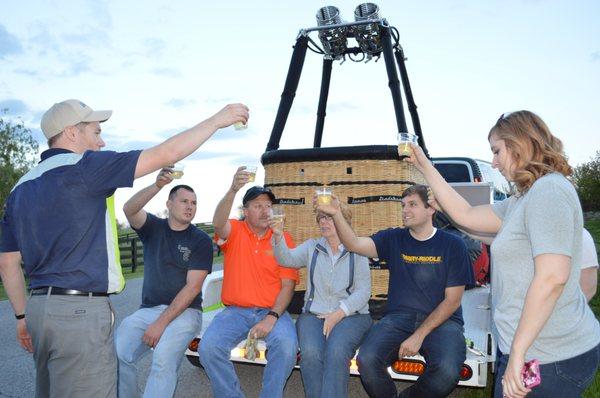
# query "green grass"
(594, 228)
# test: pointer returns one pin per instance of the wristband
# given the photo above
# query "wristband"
(22, 316)
(276, 315)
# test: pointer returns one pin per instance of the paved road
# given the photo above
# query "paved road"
(17, 371)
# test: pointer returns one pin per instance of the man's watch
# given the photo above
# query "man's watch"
(21, 316)
(276, 315)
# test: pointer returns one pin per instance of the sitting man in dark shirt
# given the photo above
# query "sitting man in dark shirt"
(429, 269)
(177, 258)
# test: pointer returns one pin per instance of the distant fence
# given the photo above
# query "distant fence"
(132, 250)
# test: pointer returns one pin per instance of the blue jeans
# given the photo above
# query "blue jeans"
(565, 379)
(324, 362)
(230, 327)
(443, 349)
(167, 354)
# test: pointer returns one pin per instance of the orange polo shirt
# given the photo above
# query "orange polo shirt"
(251, 275)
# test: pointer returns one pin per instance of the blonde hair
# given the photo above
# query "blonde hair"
(535, 151)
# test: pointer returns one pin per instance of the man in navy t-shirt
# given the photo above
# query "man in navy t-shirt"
(429, 269)
(177, 258)
(59, 222)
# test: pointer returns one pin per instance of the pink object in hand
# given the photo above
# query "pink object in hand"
(531, 374)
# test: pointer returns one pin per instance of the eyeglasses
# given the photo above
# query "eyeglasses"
(324, 217)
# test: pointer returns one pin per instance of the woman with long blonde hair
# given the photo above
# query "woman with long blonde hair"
(539, 310)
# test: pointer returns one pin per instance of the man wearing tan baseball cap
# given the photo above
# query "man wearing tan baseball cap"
(59, 221)
(69, 113)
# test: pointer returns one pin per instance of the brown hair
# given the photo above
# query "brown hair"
(422, 191)
(535, 151)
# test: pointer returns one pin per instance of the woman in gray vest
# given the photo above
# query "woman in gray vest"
(335, 316)
(539, 310)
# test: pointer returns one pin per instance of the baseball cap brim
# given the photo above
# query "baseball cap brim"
(98, 116)
(255, 192)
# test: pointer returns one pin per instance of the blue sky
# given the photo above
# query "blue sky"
(163, 66)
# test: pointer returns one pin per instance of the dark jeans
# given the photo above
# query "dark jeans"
(443, 350)
(564, 379)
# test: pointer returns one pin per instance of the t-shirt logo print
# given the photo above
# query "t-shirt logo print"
(421, 259)
(185, 251)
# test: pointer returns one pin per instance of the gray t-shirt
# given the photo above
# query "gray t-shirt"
(546, 220)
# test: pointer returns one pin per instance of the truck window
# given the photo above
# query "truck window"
(454, 172)
(493, 176)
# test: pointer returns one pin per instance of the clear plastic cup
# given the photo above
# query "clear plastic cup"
(252, 171)
(240, 126)
(404, 141)
(278, 215)
(177, 170)
(323, 195)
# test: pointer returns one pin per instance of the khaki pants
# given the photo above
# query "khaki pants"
(73, 346)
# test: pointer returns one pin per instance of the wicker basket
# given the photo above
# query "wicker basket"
(370, 179)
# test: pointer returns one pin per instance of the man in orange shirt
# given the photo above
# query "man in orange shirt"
(256, 291)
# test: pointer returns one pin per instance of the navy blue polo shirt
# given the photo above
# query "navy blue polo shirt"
(168, 256)
(420, 271)
(60, 216)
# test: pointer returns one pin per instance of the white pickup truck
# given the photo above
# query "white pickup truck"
(476, 313)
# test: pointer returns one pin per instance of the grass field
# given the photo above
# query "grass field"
(593, 391)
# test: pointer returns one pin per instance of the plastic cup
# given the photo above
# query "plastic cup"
(177, 170)
(278, 216)
(240, 126)
(252, 171)
(323, 195)
(404, 141)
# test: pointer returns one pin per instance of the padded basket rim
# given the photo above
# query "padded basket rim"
(375, 152)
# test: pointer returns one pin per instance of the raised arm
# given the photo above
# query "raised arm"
(186, 142)
(134, 207)
(479, 219)
(357, 244)
(221, 216)
(297, 257)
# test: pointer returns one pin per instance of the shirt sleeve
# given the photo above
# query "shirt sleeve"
(291, 258)
(145, 231)
(202, 256)
(235, 225)
(289, 273)
(105, 171)
(550, 219)
(382, 243)
(8, 242)
(460, 272)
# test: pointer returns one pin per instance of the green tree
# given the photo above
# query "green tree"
(18, 150)
(587, 180)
